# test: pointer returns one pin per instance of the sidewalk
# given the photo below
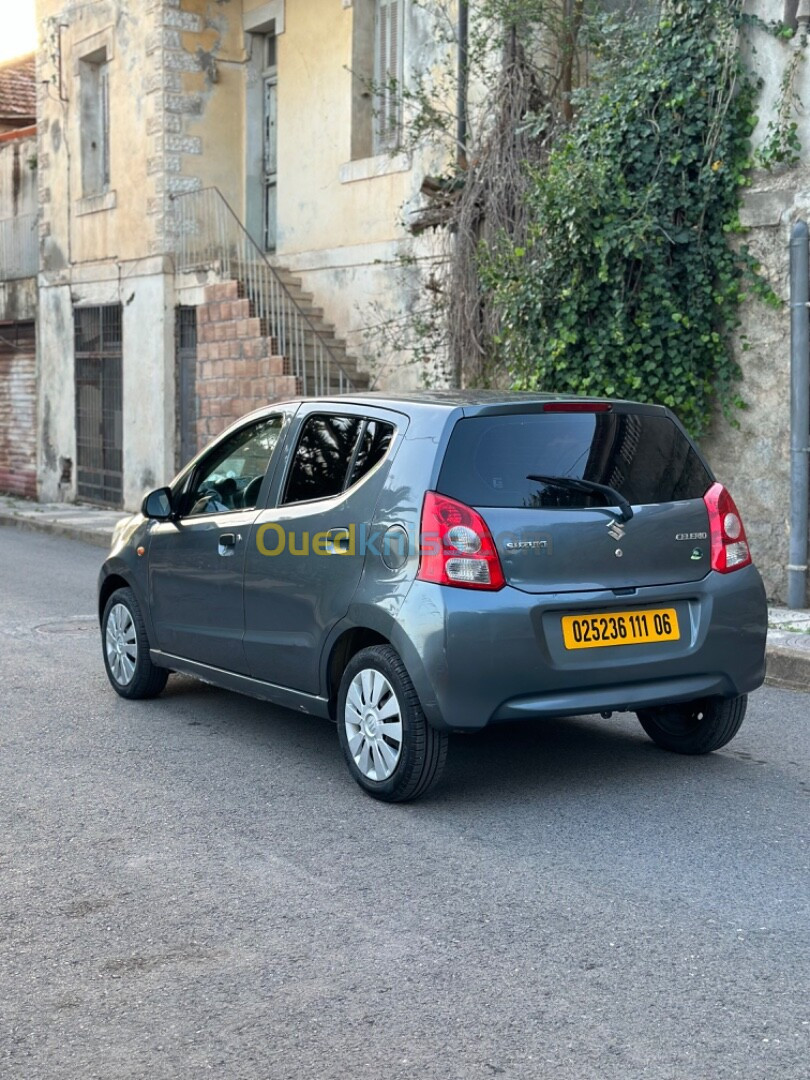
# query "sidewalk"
(788, 634)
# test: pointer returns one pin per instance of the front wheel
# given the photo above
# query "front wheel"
(695, 727)
(392, 751)
(126, 649)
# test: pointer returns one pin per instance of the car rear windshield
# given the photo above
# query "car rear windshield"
(644, 457)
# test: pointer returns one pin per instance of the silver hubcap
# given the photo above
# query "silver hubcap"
(373, 724)
(121, 644)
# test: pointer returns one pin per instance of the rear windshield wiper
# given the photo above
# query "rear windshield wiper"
(575, 484)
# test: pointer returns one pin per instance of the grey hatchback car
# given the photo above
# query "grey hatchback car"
(416, 565)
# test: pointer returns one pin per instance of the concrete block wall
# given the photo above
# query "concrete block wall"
(237, 368)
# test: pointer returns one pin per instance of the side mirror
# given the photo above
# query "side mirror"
(158, 504)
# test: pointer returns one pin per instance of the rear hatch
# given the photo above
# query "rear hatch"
(558, 534)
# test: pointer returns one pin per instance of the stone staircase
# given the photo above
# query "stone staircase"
(209, 238)
(315, 328)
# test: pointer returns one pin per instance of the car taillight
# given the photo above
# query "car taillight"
(456, 547)
(729, 544)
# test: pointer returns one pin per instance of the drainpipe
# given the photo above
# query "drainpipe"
(799, 414)
(463, 78)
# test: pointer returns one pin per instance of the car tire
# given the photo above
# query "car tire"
(695, 727)
(125, 647)
(392, 751)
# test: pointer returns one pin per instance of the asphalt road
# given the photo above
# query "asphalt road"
(194, 886)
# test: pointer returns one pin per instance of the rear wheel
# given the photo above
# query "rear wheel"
(391, 750)
(126, 649)
(695, 727)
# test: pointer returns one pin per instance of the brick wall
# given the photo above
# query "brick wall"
(236, 367)
(18, 473)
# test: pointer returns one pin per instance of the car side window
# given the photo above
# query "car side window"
(373, 446)
(334, 452)
(230, 478)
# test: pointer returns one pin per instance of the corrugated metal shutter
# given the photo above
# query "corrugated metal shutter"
(18, 402)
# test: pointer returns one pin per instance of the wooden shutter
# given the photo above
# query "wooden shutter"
(388, 71)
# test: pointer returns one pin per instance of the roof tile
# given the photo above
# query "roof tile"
(18, 90)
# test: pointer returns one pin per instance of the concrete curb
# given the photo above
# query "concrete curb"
(788, 661)
(788, 669)
(100, 536)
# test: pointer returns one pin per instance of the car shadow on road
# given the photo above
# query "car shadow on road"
(569, 755)
(550, 757)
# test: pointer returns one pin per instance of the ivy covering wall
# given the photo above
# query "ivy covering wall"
(627, 284)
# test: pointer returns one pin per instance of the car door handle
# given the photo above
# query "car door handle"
(227, 543)
(337, 541)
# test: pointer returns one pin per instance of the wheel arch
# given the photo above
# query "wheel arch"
(111, 584)
(367, 625)
(347, 645)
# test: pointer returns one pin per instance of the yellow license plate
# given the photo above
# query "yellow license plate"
(620, 628)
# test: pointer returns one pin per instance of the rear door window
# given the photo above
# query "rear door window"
(333, 453)
(645, 457)
(371, 448)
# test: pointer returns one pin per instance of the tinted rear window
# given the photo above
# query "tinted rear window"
(322, 457)
(645, 457)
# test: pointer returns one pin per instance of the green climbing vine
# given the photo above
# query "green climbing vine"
(628, 284)
(592, 239)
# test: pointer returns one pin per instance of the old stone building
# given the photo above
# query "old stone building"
(18, 270)
(217, 194)
(222, 204)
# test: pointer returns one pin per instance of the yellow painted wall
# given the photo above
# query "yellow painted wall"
(124, 231)
(316, 210)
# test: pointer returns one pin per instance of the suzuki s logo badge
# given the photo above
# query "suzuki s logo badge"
(615, 530)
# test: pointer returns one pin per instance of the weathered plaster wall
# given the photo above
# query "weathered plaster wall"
(147, 302)
(342, 221)
(754, 460)
(56, 404)
(18, 300)
(149, 384)
(18, 209)
(109, 248)
(18, 176)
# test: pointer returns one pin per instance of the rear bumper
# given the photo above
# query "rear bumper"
(477, 658)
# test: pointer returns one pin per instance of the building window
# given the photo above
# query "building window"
(388, 72)
(95, 122)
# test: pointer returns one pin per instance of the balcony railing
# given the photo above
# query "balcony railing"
(208, 236)
(19, 247)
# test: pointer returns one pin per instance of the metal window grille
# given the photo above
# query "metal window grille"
(99, 404)
(186, 386)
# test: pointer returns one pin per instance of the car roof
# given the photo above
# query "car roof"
(471, 401)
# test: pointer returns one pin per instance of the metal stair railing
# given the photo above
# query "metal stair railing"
(208, 235)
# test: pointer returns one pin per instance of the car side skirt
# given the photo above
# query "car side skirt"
(243, 684)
